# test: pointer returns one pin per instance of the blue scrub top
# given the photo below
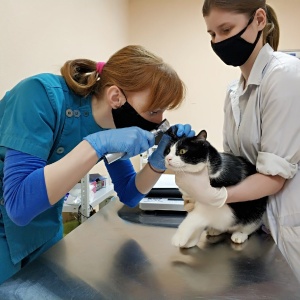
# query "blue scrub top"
(40, 116)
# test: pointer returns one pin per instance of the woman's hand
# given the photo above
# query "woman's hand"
(184, 130)
(157, 159)
(131, 140)
(197, 188)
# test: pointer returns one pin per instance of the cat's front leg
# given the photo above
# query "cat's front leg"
(189, 231)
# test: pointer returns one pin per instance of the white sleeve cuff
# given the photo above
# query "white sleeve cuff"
(272, 164)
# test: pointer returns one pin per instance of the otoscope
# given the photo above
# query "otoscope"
(161, 128)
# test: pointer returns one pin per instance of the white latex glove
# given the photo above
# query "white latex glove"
(196, 187)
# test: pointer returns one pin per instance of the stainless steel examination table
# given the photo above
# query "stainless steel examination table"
(122, 253)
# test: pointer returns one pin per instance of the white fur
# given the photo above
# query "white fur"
(215, 175)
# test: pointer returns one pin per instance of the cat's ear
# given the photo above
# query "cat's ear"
(172, 132)
(202, 135)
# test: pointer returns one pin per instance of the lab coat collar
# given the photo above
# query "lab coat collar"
(259, 65)
(236, 89)
(256, 73)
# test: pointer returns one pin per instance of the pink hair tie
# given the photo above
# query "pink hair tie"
(100, 66)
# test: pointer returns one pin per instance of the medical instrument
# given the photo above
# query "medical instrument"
(161, 128)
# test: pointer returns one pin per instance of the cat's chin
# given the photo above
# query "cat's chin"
(188, 169)
(196, 168)
(182, 169)
(185, 167)
(174, 168)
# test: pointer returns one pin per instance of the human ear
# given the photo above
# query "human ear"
(115, 97)
(261, 18)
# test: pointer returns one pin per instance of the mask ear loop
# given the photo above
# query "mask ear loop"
(123, 94)
(249, 22)
(251, 19)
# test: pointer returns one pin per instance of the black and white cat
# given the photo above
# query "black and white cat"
(191, 154)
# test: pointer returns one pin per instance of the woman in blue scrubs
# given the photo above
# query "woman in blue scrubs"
(54, 129)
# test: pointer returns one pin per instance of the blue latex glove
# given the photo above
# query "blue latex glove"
(157, 159)
(132, 140)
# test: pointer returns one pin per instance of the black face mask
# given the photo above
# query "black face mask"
(235, 51)
(127, 116)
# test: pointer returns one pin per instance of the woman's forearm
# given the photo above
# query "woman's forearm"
(145, 179)
(62, 175)
(254, 187)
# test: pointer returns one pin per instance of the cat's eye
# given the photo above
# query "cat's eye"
(182, 151)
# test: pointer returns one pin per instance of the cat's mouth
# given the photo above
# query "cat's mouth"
(168, 165)
(173, 167)
(178, 167)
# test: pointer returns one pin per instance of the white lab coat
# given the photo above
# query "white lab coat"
(262, 123)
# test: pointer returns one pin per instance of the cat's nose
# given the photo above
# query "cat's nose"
(168, 158)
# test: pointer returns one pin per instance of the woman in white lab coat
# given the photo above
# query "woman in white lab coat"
(261, 121)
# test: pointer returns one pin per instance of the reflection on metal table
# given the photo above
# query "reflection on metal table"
(116, 255)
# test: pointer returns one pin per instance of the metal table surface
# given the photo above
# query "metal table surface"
(108, 257)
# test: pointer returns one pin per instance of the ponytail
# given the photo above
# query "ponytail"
(81, 76)
(271, 32)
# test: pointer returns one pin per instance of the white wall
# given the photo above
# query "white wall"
(40, 35)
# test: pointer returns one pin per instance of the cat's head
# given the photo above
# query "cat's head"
(189, 154)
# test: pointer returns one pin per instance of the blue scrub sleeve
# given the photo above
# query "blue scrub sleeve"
(25, 192)
(123, 176)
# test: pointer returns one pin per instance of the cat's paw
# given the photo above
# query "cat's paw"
(239, 237)
(182, 240)
(213, 232)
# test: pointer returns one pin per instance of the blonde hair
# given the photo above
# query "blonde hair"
(271, 32)
(132, 69)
